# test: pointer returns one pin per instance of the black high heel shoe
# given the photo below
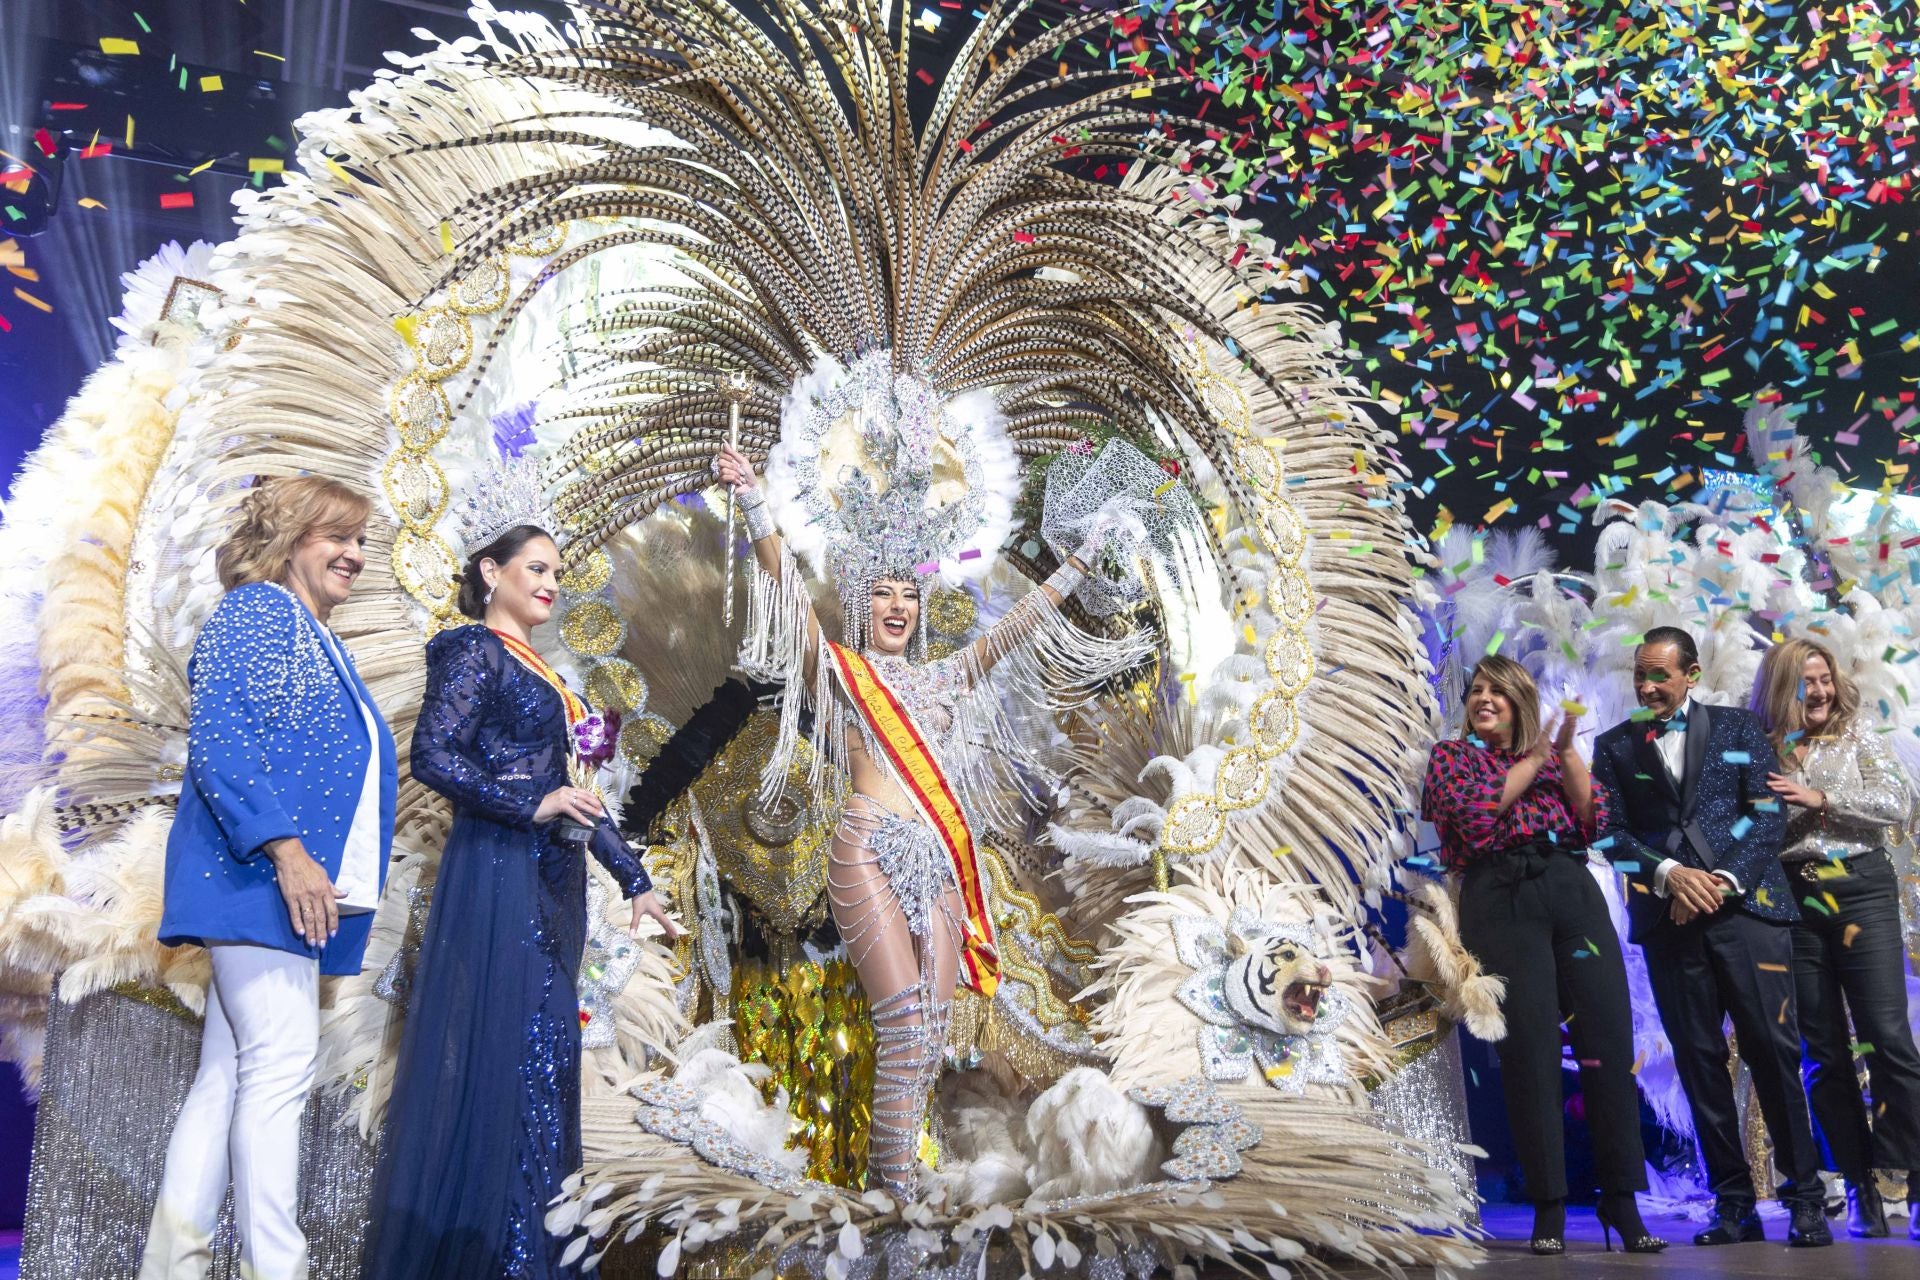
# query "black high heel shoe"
(1549, 1228)
(1621, 1214)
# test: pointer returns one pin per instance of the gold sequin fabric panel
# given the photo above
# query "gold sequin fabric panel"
(811, 1026)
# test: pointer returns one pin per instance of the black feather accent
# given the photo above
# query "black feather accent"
(686, 755)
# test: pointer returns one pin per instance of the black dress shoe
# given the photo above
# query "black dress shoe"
(1809, 1229)
(1732, 1225)
(1866, 1212)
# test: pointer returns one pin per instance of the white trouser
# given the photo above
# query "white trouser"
(242, 1116)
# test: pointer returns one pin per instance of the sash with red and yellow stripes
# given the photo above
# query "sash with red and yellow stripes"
(934, 797)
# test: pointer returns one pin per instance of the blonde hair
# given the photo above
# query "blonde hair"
(1779, 691)
(1513, 682)
(276, 516)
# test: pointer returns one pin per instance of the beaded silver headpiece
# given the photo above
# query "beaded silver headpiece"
(877, 476)
(506, 493)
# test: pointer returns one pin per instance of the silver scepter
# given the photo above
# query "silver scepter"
(736, 394)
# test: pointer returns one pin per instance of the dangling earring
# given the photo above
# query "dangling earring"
(487, 599)
(920, 628)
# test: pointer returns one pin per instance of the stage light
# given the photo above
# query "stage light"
(30, 186)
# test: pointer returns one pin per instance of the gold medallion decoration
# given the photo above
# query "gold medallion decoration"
(1291, 598)
(420, 412)
(616, 685)
(593, 628)
(590, 576)
(1241, 781)
(1194, 825)
(442, 343)
(425, 567)
(540, 244)
(1289, 661)
(482, 290)
(1283, 531)
(417, 487)
(1276, 724)
(1225, 400)
(1260, 466)
(641, 738)
(952, 613)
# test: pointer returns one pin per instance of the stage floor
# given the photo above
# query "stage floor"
(1893, 1259)
(1896, 1258)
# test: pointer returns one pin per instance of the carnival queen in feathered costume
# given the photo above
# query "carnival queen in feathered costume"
(887, 486)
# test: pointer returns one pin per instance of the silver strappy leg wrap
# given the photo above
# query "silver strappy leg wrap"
(910, 1025)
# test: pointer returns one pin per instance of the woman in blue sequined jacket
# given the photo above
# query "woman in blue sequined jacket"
(484, 1121)
(275, 864)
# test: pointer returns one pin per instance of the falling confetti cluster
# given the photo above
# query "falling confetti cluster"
(1570, 242)
(1560, 226)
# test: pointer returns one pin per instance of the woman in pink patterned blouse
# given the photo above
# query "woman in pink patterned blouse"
(1516, 809)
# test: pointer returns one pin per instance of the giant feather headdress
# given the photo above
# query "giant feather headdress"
(807, 224)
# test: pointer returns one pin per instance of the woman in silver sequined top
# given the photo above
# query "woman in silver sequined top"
(1846, 797)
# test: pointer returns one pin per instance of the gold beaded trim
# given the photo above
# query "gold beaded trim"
(440, 340)
(1196, 823)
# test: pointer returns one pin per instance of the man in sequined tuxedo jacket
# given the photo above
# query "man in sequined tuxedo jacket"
(1692, 823)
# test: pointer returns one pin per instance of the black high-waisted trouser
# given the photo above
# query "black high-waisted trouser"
(1535, 916)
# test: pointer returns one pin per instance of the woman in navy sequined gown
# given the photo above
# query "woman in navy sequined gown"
(484, 1122)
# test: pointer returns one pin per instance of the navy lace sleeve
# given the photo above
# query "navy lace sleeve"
(619, 859)
(463, 670)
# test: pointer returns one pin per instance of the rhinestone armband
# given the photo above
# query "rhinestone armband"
(753, 506)
(1066, 579)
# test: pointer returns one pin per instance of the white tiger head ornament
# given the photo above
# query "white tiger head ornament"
(1275, 982)
(1265, 998)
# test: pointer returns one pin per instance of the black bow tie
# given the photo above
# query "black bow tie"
(1673, 724)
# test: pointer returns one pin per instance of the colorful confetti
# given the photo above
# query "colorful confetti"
(1553, 228)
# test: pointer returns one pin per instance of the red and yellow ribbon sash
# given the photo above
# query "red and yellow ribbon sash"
(576, 707)
(934, 797)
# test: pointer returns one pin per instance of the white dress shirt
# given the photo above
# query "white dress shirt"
(359, 876)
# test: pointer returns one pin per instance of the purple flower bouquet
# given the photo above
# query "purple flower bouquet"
(595, 739)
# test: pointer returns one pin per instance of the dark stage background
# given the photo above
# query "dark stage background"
(1569, 243)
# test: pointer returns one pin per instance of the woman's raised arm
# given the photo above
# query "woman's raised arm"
(733, 469)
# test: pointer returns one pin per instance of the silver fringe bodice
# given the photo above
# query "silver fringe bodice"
(931, 693)
(1868, 798)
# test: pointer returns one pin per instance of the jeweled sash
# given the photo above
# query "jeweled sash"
(926, 784)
